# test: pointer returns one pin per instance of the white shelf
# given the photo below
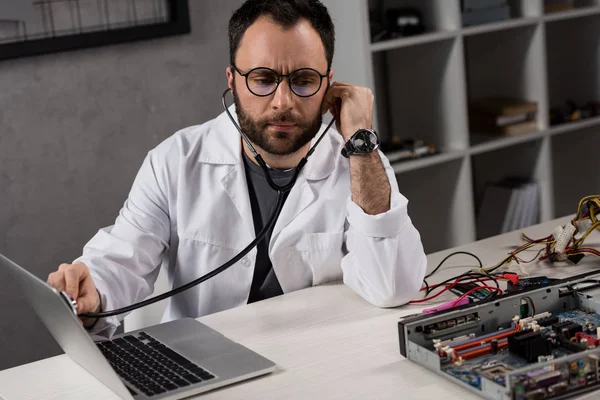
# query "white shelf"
(500, 26)
(412, 41)
(427, 161)
(574, 126)
(422, 93)
(576, 13)
(501, 142)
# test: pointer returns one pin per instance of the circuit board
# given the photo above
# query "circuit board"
(496, 366)
(580, 317)
(540, 338)
(493, 367)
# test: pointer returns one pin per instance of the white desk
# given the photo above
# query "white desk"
(327, 342)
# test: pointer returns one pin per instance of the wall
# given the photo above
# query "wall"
(74, 129)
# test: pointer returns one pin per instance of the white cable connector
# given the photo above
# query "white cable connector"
(557, 232)
(563, 236)
(582, 227)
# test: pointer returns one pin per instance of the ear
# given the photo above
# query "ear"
(230, 75)
(331, 75)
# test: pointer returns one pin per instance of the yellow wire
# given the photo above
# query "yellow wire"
(595, 205)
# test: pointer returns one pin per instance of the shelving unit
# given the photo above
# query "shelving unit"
(423, 84)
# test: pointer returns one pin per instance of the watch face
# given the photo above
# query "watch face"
(365, 141)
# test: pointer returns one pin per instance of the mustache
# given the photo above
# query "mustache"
(283, 117)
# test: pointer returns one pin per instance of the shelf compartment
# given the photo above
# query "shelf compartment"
(438, 18)
(522, 160)
(573, 51)
(521, 12)
(507, 64)
(575, 168)
(421, 91)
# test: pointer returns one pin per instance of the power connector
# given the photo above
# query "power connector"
(563, 237)
(583, 226)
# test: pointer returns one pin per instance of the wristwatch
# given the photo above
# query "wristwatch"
(364, 141)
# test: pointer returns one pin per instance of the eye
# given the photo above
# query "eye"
(305, 78)
(264, 81)
(262, 78)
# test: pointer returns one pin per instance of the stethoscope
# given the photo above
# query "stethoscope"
(281, 194)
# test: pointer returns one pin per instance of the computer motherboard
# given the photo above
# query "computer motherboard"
(539, 344)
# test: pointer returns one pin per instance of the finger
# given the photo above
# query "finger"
(56, 280)
(83, 304)
(72, 279)
(329, 95)
(334, 92)
(87, 296)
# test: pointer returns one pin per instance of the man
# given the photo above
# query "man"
(200, 197)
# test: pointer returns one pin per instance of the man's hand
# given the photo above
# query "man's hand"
(75, 279)
(351, 106)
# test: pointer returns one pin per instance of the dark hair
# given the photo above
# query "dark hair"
(286, 13)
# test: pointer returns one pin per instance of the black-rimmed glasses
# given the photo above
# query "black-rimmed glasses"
(262, 81)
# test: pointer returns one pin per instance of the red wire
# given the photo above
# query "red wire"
(474, 290)
(452, 284)
(449, 286)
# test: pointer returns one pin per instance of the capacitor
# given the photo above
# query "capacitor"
(494, 346)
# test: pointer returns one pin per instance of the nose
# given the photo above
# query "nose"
(283, 98)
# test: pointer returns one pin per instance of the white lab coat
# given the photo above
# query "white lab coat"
(189, 210)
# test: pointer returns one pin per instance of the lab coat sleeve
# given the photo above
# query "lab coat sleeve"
(385, 262)
(125, 258)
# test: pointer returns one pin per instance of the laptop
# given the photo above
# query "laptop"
(172, 360)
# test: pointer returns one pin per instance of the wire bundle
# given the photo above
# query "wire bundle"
(478, 279)
(584, 223)
(565, 244)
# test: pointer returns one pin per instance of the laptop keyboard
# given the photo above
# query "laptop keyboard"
(150, 366)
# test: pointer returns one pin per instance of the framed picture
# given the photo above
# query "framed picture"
(49, 26)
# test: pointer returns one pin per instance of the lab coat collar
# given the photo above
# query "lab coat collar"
(223, 145)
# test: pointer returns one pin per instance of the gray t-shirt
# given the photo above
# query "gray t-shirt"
(263, 199)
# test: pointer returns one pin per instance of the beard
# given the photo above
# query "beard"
(276, 143)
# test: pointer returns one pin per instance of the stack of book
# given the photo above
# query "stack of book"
(476, 12)
(507, 206)
(503, 116)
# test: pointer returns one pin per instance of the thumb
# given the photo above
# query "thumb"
(86, 304)
(88, 301)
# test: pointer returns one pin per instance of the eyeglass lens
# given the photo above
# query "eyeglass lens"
(304, 82)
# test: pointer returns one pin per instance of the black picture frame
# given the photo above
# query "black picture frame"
(178, 24)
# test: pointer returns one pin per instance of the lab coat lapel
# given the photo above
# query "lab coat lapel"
(222, 146)
(236, 187)
(300, 197)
